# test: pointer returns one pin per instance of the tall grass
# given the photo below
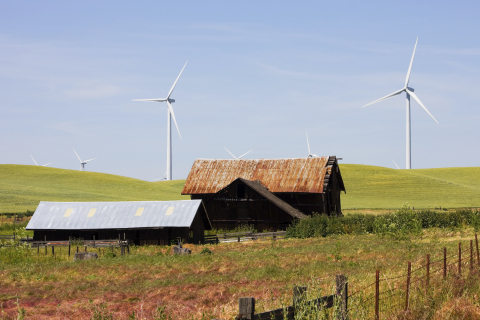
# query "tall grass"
(401, 222)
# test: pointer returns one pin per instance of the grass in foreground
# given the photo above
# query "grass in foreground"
(210, 284)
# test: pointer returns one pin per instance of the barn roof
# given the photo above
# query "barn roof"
(114, 215)
(304, 175)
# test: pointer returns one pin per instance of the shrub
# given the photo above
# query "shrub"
(402, 222)
(206, 251)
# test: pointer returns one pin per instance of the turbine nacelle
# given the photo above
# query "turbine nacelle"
(171, 100)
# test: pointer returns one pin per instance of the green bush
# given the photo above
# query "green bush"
(401, 222)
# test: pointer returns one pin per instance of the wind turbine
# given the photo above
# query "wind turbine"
(409, 92)
(169, 123)
(240, 156)
(82, 163)
(162, 179)
(37, 163)
(396, 164)
(310, 155)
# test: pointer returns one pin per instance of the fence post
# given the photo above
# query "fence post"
(299, 295)
(38, 248)
(85, 248)
(53, 250)
(428, 270)
(45, 237)
(377, 293)
(77, 249)
(342, 295)
(246, 308)
(407, 293)
(471, 255)
(239, 238)
(94, 241)
(69, 248)
(478, 255)
(459, 258)
(444, 262)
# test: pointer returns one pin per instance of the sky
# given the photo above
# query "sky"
(260, 74)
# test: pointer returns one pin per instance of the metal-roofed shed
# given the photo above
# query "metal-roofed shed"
(141, 222)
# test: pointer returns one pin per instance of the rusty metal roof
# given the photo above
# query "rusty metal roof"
(304, 175)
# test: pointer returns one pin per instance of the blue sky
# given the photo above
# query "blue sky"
(260, 74)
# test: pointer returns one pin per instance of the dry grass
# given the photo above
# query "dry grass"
(188, 286)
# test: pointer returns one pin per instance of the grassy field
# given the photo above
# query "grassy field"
(368, 187)
(207, 286)
(23, 187)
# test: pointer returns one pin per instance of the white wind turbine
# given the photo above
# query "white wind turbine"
(396, 164)
(37, 163)
(82, 163)
(169, 122)
(162, 179)
(240, 156)
(310, 155)
(409, 92)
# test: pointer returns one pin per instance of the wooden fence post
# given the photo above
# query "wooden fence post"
(407, 293)
(69, 248)
(459, 258)
(299, 296)
(45, 237)
(94, 241)
(444, 262)
(377, 294)
(428, 270)
(53, 250)
(246, 308)
(77, 249)
(342, 295)
(478, 255)
(471, 255)
(38, 248)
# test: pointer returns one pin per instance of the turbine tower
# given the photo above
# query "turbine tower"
(82, 163)
(37, 163)
(240, 156)
(409, 92)
(310, 155)
(169, 123)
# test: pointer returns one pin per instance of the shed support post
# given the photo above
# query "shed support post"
(246, 308)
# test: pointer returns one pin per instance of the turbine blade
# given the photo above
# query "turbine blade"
(173, 116)
(396, 164)
(171, 90)
(396, 93)
(151, 100)
(77, 155)
(410, 66)
(46, 164)
(308, 144)
(89, 160)
(245, 154)
(230, 153)
(34, 160)
(421, 104)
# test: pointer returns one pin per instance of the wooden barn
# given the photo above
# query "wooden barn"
(141, 222)
(265, 193)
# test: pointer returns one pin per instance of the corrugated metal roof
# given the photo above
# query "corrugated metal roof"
(278, 175)
(113, 215)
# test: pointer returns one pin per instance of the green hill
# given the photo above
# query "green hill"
(379, 187)
(22, 187)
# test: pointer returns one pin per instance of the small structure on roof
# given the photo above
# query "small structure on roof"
(141, 222)
(266, 193)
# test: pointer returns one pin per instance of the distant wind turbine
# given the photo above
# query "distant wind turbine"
(310, 155)
(162, 179)
(82, 163)
(169, 123)
(409, 92)
(240, 156)
(37, 163)
(396, 164)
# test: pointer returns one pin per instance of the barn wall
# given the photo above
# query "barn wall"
(228, 211)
